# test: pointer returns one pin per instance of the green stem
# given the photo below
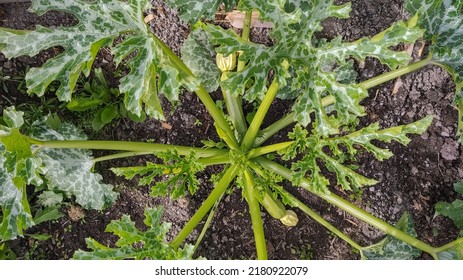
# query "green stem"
(254, 209)
(299, 204)
(269, 149)
(287, 120)
(215, 160)
(253, 129)
(395, 73)
(233, 100)
(328, 100)
(202, 93)
(349, 207)
(454, 244)
(120, 155)
(214, 196)
(245, 35)
(135, 147)
(207, 223)
(372, 220)
(234, 106)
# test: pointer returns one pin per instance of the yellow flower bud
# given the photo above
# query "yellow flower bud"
(226, 63)
(290, 218)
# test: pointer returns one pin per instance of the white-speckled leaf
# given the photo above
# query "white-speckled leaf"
(199, 55)
(193, 10)
(50, 198)
(364, 137)
(18, 168)
(136, 244)
(99, 22)
(12, 118)
(70, 170)
(391, 248)
(140, 82)
(443, 25)
(19, 160)
(451, 251)
(13, 203)
(313, 62)
(261, 60)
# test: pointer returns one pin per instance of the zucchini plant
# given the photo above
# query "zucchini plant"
(315, 73)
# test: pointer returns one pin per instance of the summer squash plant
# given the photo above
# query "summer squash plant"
(318, 75)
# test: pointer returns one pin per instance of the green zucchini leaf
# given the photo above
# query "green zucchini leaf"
(178, 174)
(136, 244)
(50, 198)
(314, 64)
(18, 167)
(336, 151)
(99, 23)
(442, 22)
(391, 248)
(70, 170)
(199, 55)
(451, 251)
(14, 204)
(453, 210)
(193, 10)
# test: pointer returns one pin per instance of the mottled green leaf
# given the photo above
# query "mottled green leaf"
(140, 81)
(442, 22)
(14, 205)
(19, 160)
(199, 55)
(18, 167)
(261, 60)
(174, 177)
(70, 170)
(453, 210)
(50, 198)
(99, 23)
(451, 251)
(13, 118)
(136, 244)
(67, 170)
(391, 248)
(314, 64)
(193, 10)
(323, 80)
(308, 168)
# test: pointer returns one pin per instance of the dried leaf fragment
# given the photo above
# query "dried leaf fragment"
(236, 19)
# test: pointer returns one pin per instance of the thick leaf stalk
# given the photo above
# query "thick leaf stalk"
(351, 209)
(214, 196)
(256, 219)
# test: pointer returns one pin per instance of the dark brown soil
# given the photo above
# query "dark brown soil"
(417, 177)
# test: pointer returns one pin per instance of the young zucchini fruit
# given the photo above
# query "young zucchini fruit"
(277, 210)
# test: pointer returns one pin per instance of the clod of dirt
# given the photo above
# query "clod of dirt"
(449, 150)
